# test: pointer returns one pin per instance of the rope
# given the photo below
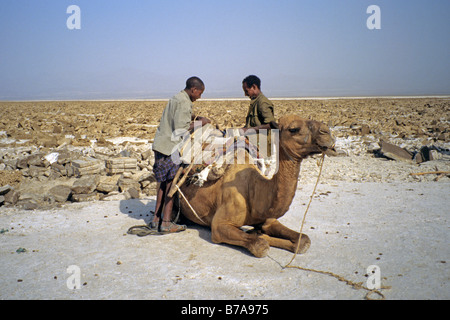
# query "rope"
(307, 208)
(195, 213)
(355, 285)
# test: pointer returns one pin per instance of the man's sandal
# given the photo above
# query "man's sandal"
(144, 230)
(172, 228)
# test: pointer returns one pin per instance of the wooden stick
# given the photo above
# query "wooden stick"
(175, 186)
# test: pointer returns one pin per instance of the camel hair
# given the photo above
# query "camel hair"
(243, 197)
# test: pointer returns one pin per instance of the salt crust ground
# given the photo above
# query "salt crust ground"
(402, 227)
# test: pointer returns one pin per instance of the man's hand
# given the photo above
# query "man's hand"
(203, 120)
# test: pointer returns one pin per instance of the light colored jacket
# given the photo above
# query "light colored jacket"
(175, 122)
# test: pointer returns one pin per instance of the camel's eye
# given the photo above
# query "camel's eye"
(294, 130)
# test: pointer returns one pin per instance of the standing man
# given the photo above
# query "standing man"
(260, 112)
(177, 117)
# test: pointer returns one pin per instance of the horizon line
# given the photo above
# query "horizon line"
(246, 99)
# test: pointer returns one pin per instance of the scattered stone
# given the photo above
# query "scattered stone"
(85, 143)
(28, 204)
(108, 184)
(5, 189)
(85, 197)
(60, 193)
(127, 183)
(87, 167)
(391, 151)
(85, 185)
(59, 168)
(120, 165)
(133, 193)
(12, 197)
(36, 160)
(146, 154)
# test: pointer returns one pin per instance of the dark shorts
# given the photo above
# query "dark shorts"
(164, 168)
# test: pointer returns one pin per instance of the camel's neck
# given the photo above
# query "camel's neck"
(285, 182)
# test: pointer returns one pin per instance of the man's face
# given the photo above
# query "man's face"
(251, 92)
(196, 93)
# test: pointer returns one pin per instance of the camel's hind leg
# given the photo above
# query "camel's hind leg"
(281, 236)
(223, 230)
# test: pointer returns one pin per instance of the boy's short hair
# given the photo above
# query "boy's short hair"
(195, 82)
(251, 80)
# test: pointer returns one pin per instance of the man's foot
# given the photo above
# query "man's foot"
(170, 227)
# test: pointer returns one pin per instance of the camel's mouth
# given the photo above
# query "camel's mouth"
(329, 151)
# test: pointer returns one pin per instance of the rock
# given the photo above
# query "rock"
(59, 168)
(2, 200)
(146, 154)
(37, 160)
(373, 147)
(69, 170)
(85, 185)
(28, 204)
(86, 167)
(34, 171)
(132, 193)
(85, 197)
(120, 165)
(127, 183)
(443, 136)
(64, 157)
(150, 189)
(5, 189)
(50, 142)
(60, 193)
(108, 184)
(391, 151)
(22, 163)
(435, 155)
(12, 197)
(57, 129)
(365, 129)
(114, 196)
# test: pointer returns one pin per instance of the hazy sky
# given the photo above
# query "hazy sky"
(148, 48)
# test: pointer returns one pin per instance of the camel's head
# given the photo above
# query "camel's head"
(301, 138)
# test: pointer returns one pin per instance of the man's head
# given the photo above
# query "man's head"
(194, 88)
(251, 86)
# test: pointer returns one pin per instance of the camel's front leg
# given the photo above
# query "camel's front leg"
(223, 230)
(281, 236)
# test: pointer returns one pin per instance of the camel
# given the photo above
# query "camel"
(243, 197)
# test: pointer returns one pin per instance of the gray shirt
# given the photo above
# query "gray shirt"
(174, 123)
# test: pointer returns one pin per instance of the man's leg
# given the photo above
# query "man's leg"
(160, 199)
(168, 205)
(167, 225)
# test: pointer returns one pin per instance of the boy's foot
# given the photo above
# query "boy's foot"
(170, 227)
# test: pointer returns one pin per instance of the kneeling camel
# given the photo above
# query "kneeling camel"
(243, 197)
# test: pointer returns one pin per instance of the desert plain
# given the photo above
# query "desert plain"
(370, 208)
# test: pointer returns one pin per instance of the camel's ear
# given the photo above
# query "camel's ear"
(273, 125)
